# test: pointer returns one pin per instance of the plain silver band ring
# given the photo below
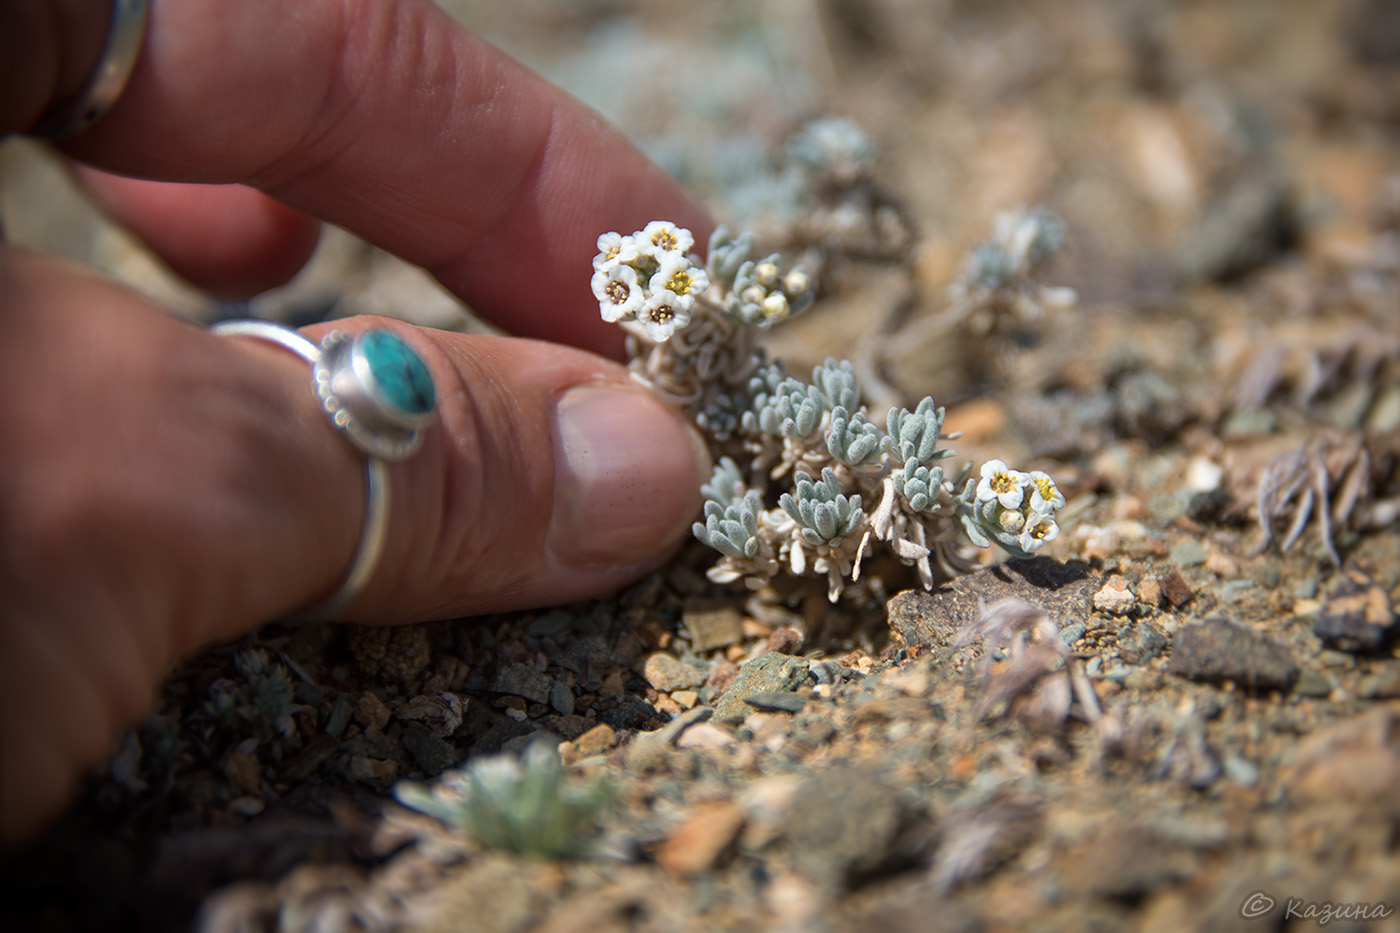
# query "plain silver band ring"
(376, 525)
(124, 37)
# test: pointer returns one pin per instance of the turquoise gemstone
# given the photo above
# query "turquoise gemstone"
(400, 377)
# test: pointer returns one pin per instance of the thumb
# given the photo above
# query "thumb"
(548, 476)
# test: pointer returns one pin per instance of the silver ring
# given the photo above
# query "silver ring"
(108, 80)
(377, 390)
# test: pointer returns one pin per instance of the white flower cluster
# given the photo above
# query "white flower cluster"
(1015, 509)
(650, 278)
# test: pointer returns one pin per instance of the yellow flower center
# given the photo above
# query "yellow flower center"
(1047, 489)
(665, 239)
(1002, 482)
(680, 283)
(1040, 531)
(617, 292)
(662, 313)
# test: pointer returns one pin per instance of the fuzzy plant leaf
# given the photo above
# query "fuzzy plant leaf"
(919, 485)
(725, 255)
(524, 805)
(727, 484)
(838, 384)
(733, 529)
(853, 440)
(822, 512)
(794, 410)
(915, 434)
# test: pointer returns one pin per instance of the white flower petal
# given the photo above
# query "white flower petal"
(662, 314)
(1045, 495)
(619, 294)
(661, 236)
(1040, 530)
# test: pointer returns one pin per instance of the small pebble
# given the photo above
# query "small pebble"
(713, 628)
(1176, 590)
(1188, 553)
(1203, 475)
(769, 673)
(1241, 770)
(783, 701)
(562, 699)
(1222, 565)
(702, 840)
(246, 806)
(1381, 685)
(1115, 598)
(665, 672)
(599, 740)
(705, 735)
(371, 712)
(1313, 684)
(1150, 592)
(1357, 615)
(521, 681)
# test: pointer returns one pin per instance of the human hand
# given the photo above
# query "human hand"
(161, 487)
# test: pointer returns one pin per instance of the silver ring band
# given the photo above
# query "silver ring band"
(383, 422)
(124, 37)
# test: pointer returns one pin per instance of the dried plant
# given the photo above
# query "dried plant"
(1038, 681)
(1326, 479)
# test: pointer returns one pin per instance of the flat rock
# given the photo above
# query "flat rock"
(521, 681)
(432, 754)
(712, 628)
(1141, 642)
(1218, 649)
(599, 740)
(1063, 591)
(786, 701)
(846, 827)
(702, 839)
(666, 672)
(767, 673)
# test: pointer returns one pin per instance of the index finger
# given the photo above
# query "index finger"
(389, 119)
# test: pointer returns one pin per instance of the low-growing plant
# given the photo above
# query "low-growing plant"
(523, 805)
(806, 481)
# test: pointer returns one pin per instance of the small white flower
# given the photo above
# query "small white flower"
(680, 277)
(661, 237)
(618, 292)
(662, 314)
(614, 249)
(1045, 495)
(1040, 530)
(1003, 484)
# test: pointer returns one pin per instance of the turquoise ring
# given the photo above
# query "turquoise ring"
(377, 389)
(378, 392)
